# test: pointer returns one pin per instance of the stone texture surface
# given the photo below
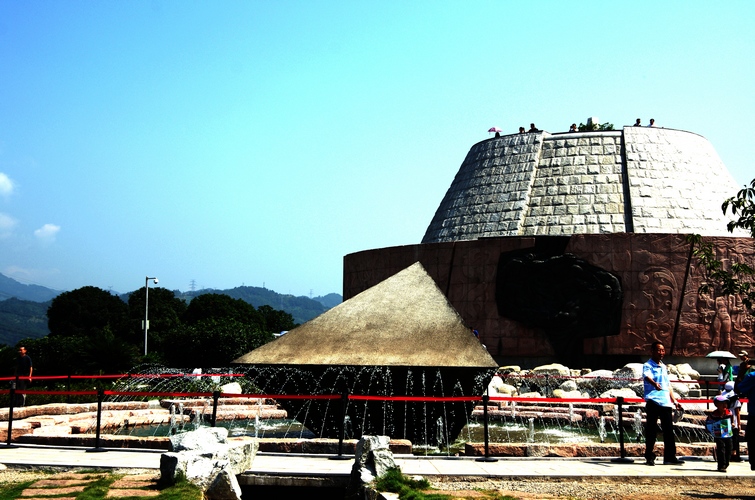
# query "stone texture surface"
(645, 180)
(393, 317)
(209, 460)
(583, 450)
(659, 278)
(373, 459)
(42, 492)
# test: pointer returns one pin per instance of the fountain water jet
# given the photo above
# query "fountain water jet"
(399, 338)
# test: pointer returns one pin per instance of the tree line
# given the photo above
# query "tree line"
(93, 331)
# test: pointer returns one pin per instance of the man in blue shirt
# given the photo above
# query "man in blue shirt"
(659, 403)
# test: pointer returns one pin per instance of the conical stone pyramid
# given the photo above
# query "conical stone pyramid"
(403, 321)
(401, 338)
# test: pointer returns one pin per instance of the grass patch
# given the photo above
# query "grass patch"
(182, 490)
(98, 489)
(407, 488)
(11, 491)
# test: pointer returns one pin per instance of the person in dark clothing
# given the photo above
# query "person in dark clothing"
(745, 386)
(23, 374)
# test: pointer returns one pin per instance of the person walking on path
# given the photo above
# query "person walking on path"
(735, 406)
(718, 424)
(23, 374)
(659, 403)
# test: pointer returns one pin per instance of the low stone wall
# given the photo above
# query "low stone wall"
(586, 450)
(58, 421)
(89, 441)
(325, 446)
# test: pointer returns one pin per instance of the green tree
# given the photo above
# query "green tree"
(85, 312)
(276, 321)
(80, 355)
(743, 206)
(221, 306)
(594, 126)
(211, 342)
(737, 278)
(165, 312)
(58, 355)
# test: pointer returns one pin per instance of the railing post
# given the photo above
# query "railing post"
(68, 389)
(623, 458)
(707, 395)
(487, 457)
(215, 397)
(100, 396)
(342, 433)
(12, 403)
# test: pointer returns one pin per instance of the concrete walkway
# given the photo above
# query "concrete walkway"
(293, 465)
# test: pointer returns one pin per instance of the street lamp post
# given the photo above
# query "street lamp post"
(146, 309)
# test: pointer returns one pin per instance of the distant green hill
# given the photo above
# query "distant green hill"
(21, 319)
(330, 300)
(23, 308)
(10, 288)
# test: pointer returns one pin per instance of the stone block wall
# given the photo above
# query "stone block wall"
(489, 195)
(639, 179)
(578, 186)
(677, 182)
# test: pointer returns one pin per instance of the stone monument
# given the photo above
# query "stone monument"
(572, 247)
(400, 338)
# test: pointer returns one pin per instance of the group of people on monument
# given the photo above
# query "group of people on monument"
(638, 123)
(572, 128)
(723, 422)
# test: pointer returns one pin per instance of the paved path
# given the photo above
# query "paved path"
(274, 464)
(504, 468)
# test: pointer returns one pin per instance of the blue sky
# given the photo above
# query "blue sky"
(258, 142)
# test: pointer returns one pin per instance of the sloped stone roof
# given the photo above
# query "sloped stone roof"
(635, 180)
(402, 321)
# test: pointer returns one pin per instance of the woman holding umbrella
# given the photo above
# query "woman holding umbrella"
(724, 370)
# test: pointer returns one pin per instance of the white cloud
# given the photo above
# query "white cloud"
(6, 185)
(46, 233)
(7, 223)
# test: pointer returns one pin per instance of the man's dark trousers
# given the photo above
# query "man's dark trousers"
(653, 412)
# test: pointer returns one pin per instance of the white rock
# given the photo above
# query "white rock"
(685, 370)
(531, 395)
(559, 393)
(624, 392)
(552, 369)
(224, 486)
(201, 439)
(629, 371)
(509, 369)
(232, 388)
(568, 386)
